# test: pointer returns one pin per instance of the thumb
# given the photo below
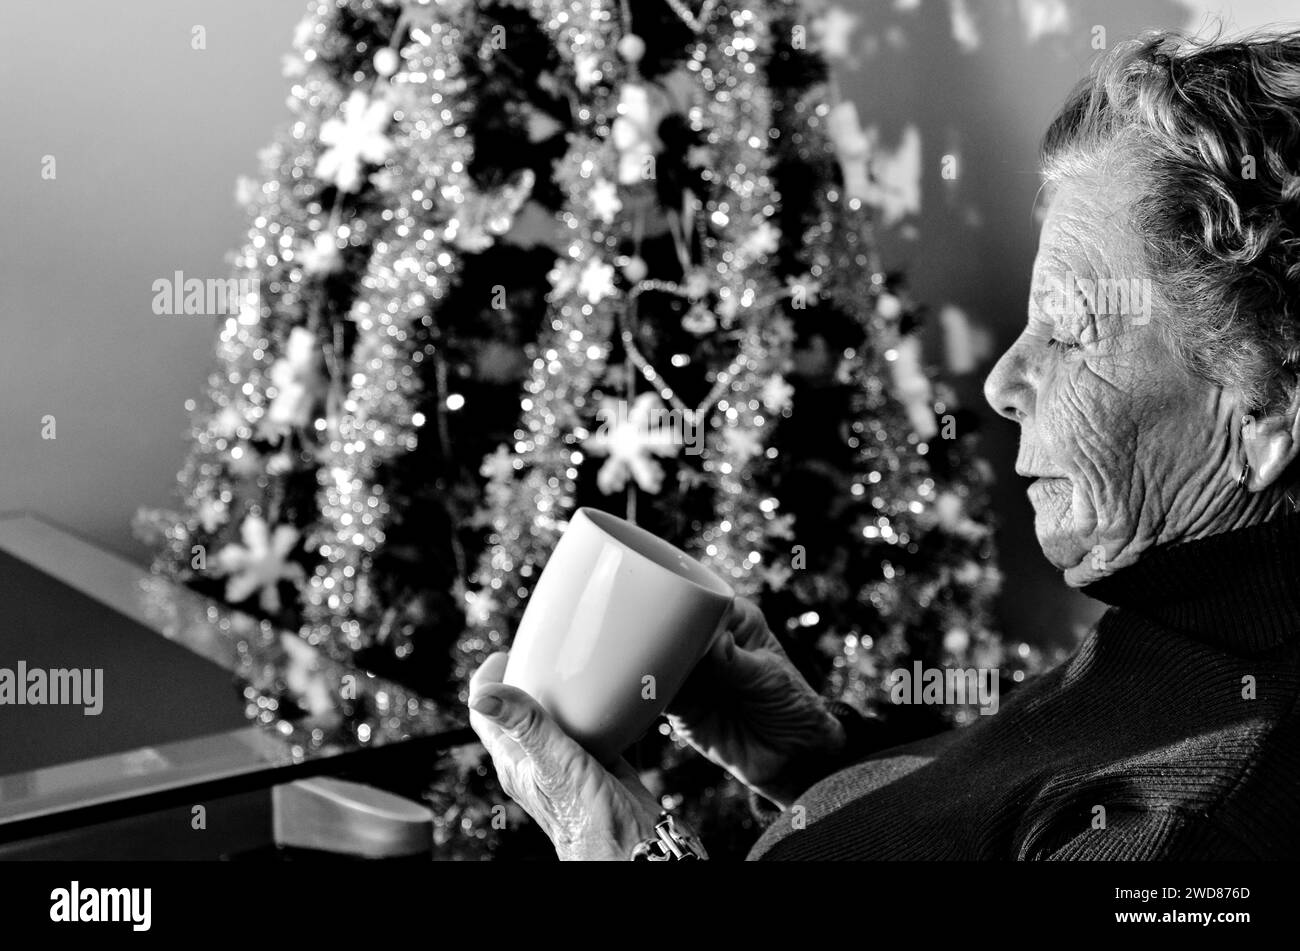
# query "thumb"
(522, 719)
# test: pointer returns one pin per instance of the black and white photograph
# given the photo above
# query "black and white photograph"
(445, 434)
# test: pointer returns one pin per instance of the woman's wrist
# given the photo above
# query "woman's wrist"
(614, 844)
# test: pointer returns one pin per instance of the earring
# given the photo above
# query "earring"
(1244, 477)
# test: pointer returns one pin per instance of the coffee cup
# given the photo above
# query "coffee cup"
(616, 622)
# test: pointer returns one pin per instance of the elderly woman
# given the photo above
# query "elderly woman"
(1160, 436)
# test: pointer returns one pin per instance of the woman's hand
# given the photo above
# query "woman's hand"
(587, 811)
(749, 710)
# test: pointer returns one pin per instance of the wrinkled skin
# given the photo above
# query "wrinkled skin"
(587, 811)
(1131, 449)
(746, 707)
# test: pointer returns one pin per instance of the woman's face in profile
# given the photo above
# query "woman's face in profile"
(1127, 448)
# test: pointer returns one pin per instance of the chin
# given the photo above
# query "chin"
(1064, 554)
(1054, 527)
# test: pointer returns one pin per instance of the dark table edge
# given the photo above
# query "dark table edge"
(18, 829)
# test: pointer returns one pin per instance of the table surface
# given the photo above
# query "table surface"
(154, 691)
(189, 688)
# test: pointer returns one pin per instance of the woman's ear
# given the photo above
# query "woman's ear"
(1271, 442)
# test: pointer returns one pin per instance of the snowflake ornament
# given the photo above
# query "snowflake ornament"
(631, 438)
(260, 563)
(604, 200)
(354, 140)
(764, 239)
(596, 281)
(742, 443)
(480, 606)
(776, 393)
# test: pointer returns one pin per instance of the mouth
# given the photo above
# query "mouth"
(1038, 476)
(1041, 484)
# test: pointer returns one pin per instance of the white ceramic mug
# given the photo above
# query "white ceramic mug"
(617, 621)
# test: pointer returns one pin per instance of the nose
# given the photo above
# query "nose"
(1007, 388)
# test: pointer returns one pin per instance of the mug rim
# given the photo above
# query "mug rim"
(614, 527)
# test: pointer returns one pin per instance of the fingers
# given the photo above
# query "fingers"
(732, 656)
(740, 667)
(512, 713)
(723, 646)
(746, 623)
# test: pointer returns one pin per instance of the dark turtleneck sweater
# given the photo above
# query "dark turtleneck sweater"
(1177, 715)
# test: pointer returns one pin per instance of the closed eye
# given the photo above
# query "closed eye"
(1065, 346)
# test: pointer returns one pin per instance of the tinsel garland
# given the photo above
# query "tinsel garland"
(570, 356)
(731, 61)
(524, 521)
(410, 270)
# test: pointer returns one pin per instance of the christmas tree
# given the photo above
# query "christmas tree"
(517, 257)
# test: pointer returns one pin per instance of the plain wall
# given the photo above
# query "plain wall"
(149, 136)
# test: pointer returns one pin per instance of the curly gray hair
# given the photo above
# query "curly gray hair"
(1212, 131)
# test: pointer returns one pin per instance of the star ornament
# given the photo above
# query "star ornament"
(353, 140)
(631, 438)
(260, 563)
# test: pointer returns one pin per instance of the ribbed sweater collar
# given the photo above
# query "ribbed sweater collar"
(1239, 590)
